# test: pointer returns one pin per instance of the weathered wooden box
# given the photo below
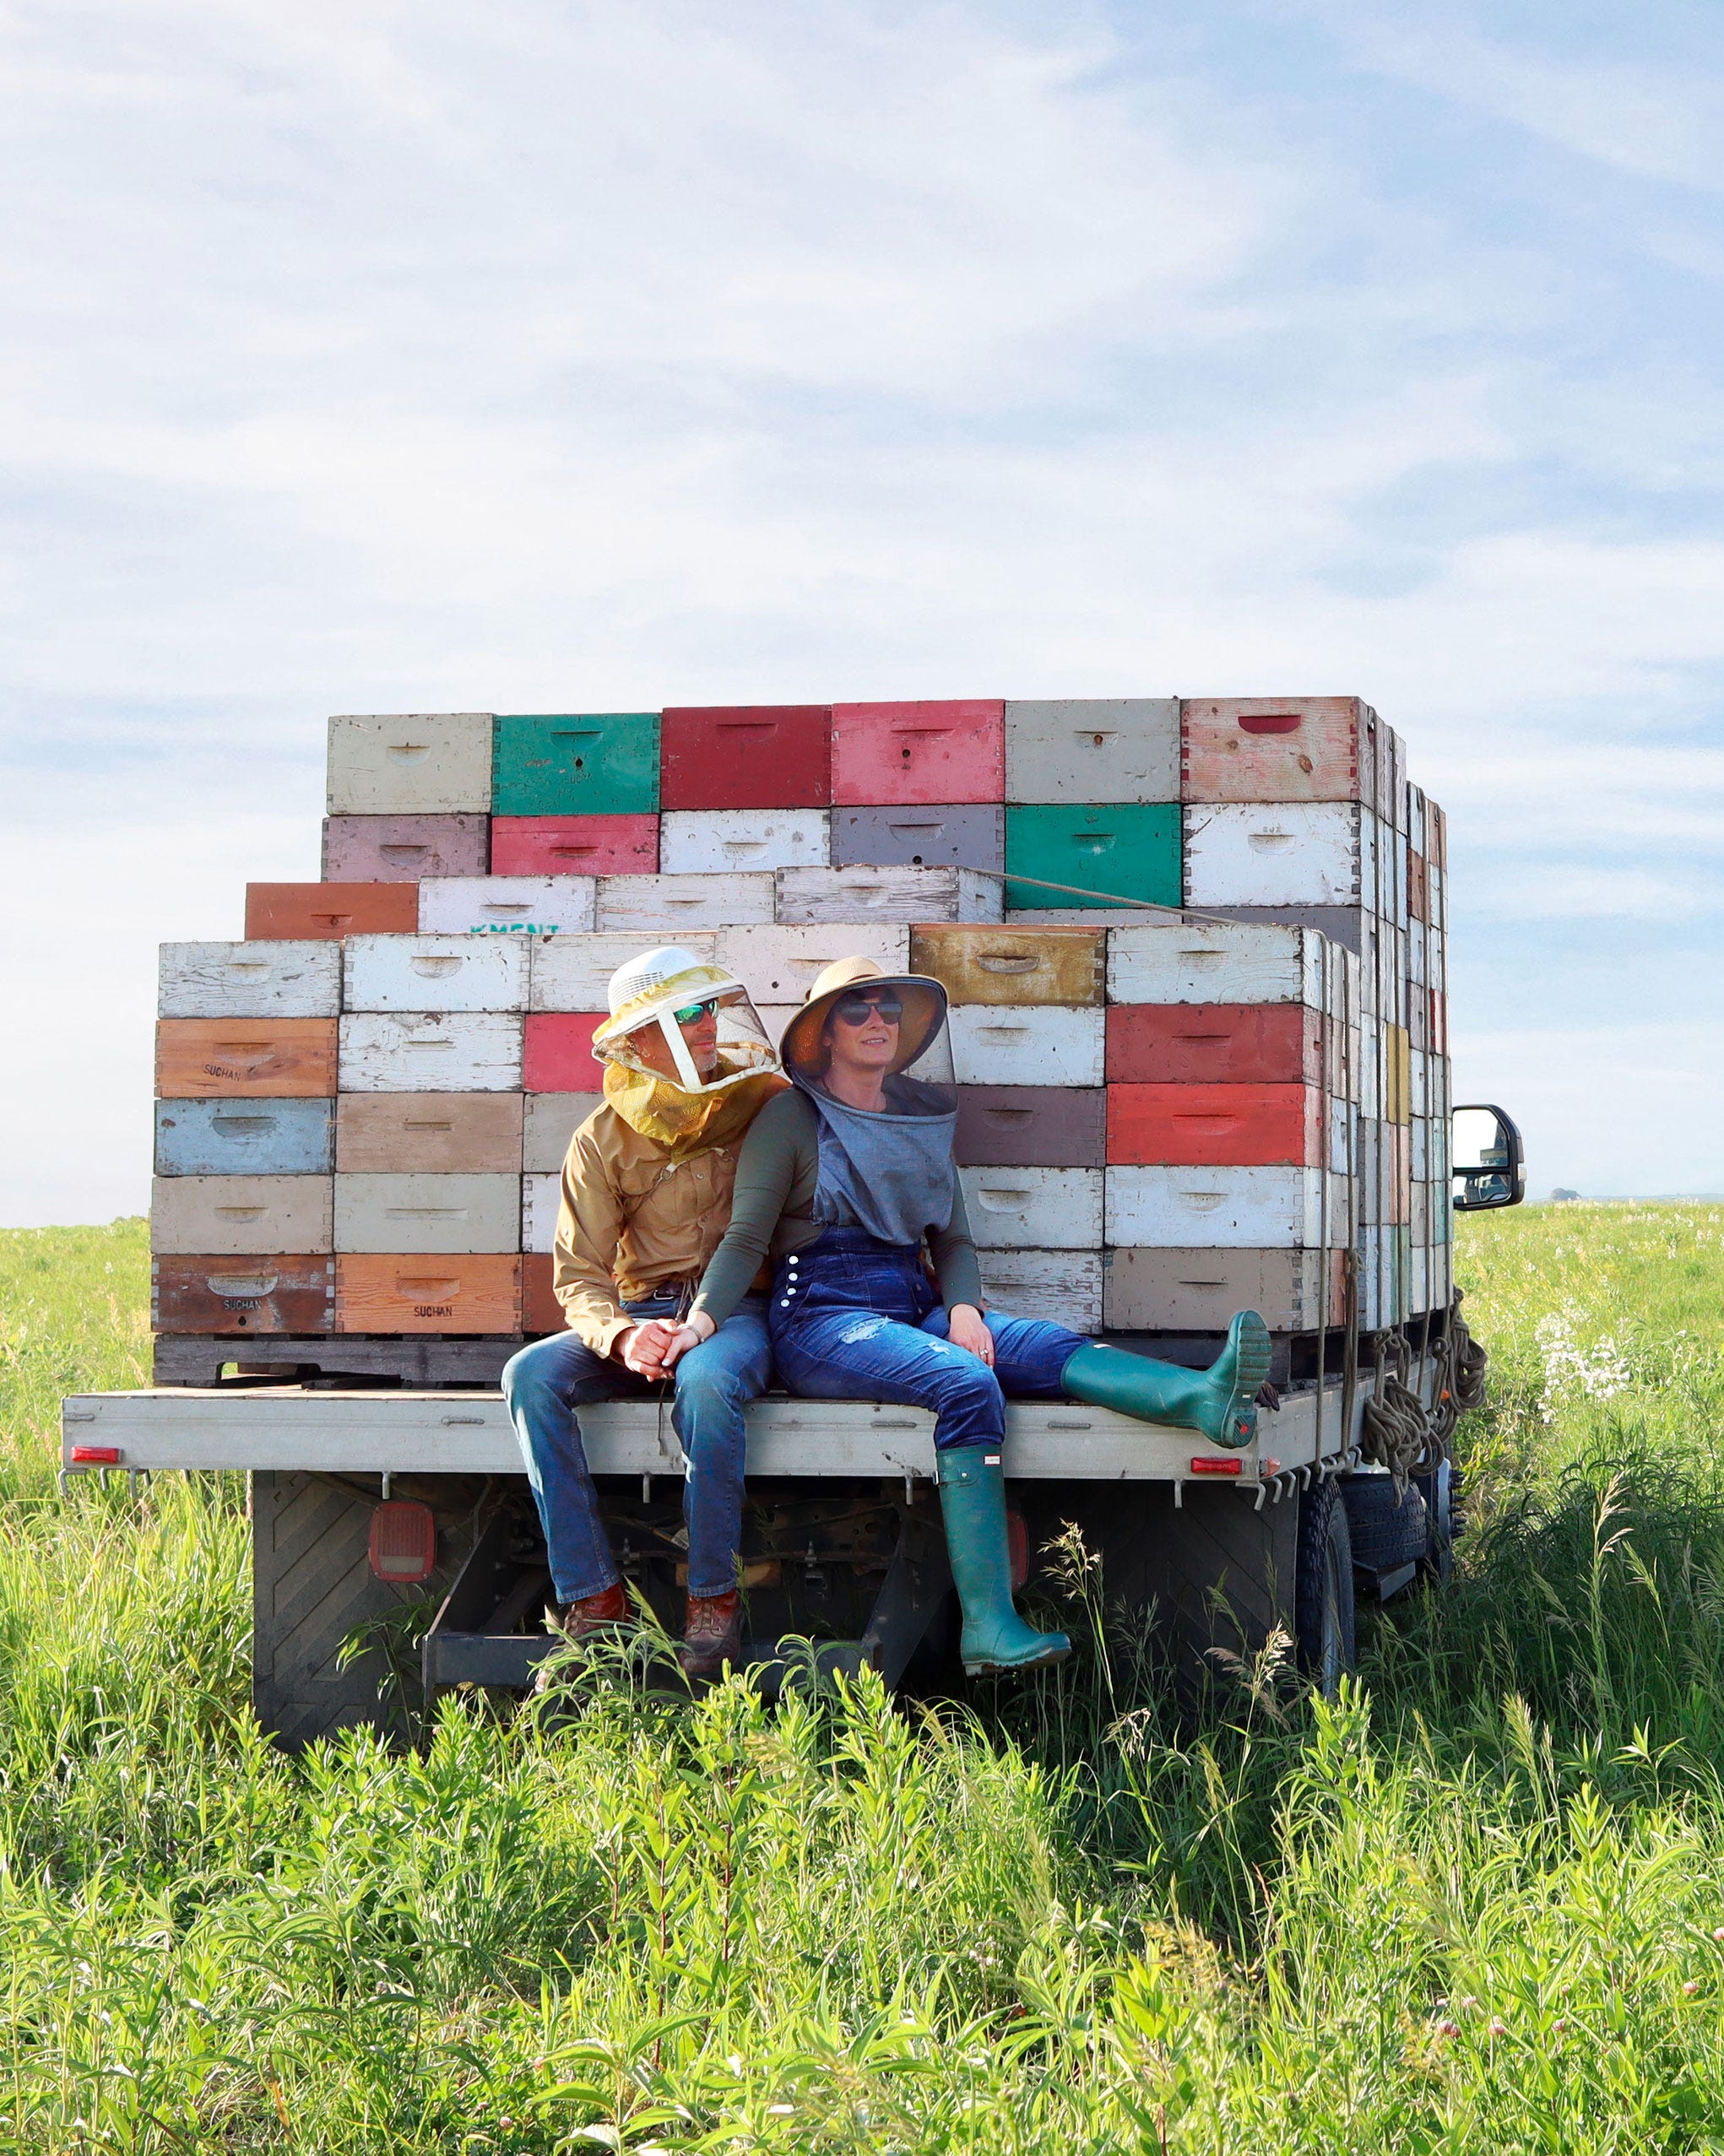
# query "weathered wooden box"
(411, 763)
(197, 1215)
(1093, 748)
(407, 1052)
(241, 1137)
(435, 973)
(429, 1134)
(199, 1058)
(262, 979)
(420, 1213)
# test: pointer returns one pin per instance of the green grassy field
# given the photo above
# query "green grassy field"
(1477, 1904)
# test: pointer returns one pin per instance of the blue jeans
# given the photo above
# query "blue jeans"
(856, 1318)
(547, 1382)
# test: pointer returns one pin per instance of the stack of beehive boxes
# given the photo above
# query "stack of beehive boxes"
(364, 1104)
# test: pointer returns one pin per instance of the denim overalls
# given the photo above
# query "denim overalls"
(852, 1317)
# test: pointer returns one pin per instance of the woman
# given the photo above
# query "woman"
(845, 1179)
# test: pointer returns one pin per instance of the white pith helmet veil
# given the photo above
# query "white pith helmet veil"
(647, 994)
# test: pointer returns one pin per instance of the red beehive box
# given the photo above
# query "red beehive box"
(404, 849)
(745, 756)
(1278, 749)
(231, 1294)
(575, 845)
(303, 910)
(885, 754)
(1214, 1126)
(1215, 1043)
(556, 1052)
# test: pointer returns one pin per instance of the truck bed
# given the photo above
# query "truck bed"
(377, 1431)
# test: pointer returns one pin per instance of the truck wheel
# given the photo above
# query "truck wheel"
(1323, 1624)
(1438, 1490)
(1387, 1528)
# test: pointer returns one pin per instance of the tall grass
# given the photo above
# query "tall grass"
(1478, 1903)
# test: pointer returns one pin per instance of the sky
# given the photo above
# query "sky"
(546, 357)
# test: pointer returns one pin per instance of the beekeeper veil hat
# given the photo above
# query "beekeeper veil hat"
(678, 1017)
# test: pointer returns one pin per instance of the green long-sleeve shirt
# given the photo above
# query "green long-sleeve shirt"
(773, 1212)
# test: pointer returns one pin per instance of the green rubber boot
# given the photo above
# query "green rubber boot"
(973, 1498)
(1220, 1402)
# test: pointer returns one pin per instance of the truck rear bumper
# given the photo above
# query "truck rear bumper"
(287, 1427)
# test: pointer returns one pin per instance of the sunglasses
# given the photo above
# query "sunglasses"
(858, 1009)
(691, 1013)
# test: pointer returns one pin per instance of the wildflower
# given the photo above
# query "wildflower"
(1689, 1988)
(1498, 2027)
(1448, 2027)
(1719, 1933)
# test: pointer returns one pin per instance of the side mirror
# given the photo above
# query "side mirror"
(1488, 1162)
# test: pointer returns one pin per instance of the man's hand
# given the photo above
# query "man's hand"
(643, 1349)
(967, 1327)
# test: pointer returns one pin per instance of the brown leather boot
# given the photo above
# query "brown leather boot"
(599, 1613)
(608, 1611)
(712, 1635)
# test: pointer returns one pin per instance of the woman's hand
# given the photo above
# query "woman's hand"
(967, 1329)
(693, 1332)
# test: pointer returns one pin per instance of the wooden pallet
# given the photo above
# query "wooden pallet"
(426, 1360)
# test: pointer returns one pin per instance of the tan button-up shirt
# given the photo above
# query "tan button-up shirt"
(633, 1223)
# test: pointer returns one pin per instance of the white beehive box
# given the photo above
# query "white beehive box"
(1061, 1286)
(407, 1052)
(540, 1202)
(1173, 960)
(207, 1216)
(719, 841)
(572, 973)
(1237, 1208)
(495, 905)
(780, 965)
(414, 1215)
(1033, 1208)
(1028, 1044)
(1280, 854)
(249, 980)
(436, 763)
(664, 909)
(436, 972)
(889, 894)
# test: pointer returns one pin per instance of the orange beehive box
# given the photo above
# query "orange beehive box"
(1214, 1126)
(427, 1294)
(302, 911)
(540, 1311)
(202, 1058)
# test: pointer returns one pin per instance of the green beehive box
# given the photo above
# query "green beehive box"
(583, 763)
(1130, 849)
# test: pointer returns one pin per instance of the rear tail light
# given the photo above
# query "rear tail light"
(1206, 1465)
(404, 1543)
(96, 1455)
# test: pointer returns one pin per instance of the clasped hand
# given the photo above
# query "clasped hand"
(656, 1345)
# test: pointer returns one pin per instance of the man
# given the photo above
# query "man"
(646, 1198)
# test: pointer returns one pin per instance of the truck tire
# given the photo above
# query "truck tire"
(1323, 1614)
(1387, 1527)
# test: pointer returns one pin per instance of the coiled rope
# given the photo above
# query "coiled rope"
(1394, 1429)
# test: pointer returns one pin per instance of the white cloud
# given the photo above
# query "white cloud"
(375, 357)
